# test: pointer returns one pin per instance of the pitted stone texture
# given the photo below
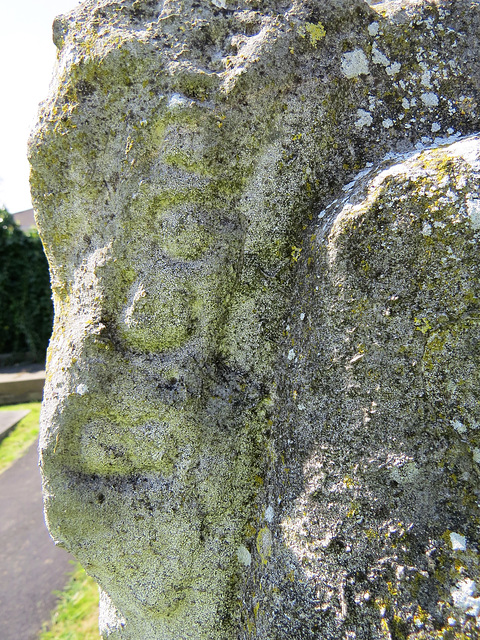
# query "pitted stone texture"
(261, 395)
(383, 394)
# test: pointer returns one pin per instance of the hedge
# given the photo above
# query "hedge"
(26, 311)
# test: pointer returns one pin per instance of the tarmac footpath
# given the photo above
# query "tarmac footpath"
(31, 566)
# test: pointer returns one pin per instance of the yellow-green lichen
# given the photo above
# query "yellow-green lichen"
(264, 544)
(315, 32)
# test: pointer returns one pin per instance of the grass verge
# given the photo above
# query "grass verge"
(17, 442)
(76, 614)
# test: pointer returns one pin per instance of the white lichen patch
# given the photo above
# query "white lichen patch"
(435, 127)
(426, 76)
(244, 556)
(373, 28)
(178, 101)
(476, 455)
(458, 542)
(387, 123)
(459, 426)
(429, 99)
(473, 209)
(269, 513)
(291, 355)
(407, 474)
(354, 64)
(364, 119)
(138, 293)
(462, 596)
(426, 229)
(82, 389)
(378, 57)
(393, 69)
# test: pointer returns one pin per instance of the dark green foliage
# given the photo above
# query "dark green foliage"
(26, 310)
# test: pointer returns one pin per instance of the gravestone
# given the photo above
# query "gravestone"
(261, 407)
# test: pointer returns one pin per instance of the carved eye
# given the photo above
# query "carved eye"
(161, 313)
(184, 240)
(184, 146)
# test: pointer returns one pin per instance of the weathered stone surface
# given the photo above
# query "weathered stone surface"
(261, 410)
(383, 394)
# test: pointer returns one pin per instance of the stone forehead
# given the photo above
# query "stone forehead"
(189, 36)
(217, 39)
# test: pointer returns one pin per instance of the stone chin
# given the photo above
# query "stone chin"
(169, 515)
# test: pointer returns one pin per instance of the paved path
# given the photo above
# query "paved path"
(31, 567)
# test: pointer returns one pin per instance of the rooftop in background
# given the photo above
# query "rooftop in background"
(25, 219)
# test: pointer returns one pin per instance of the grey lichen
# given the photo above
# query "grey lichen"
(387, 370)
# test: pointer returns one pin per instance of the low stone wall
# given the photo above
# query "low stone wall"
(21, 385)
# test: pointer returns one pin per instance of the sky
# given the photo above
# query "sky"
(27, 58)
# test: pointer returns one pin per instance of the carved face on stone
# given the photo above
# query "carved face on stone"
(147, 473)
(177, 169)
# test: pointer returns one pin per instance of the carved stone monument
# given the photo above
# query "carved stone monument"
(261, 412)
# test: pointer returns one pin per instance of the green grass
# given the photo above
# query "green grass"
(76, 615)
(17, 442)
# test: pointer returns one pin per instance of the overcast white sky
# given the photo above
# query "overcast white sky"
(27, 57)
